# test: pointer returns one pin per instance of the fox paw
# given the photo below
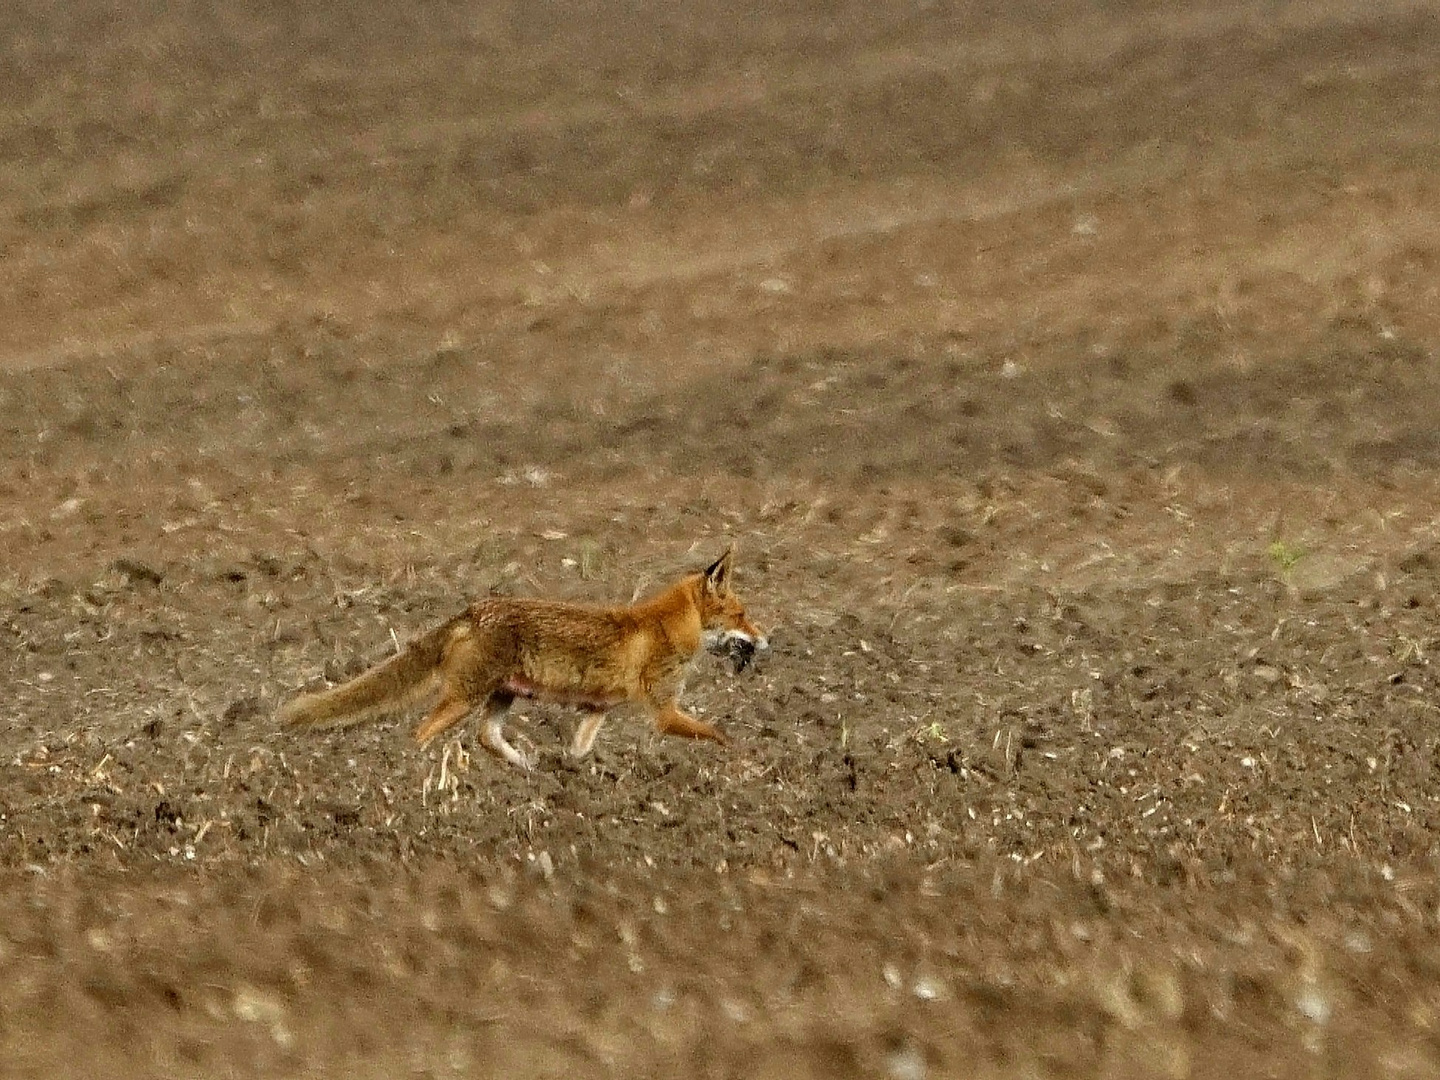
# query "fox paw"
(522, 761)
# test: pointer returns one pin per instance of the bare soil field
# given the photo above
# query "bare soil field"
(1065, 373)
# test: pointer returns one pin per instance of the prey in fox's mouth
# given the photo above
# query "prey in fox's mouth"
(738, 647)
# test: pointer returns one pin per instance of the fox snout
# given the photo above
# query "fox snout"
(755, 640)
(725, 640)
(749, 631)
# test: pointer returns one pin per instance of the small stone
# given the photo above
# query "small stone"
(906, 1063)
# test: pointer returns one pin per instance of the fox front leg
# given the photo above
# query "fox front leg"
(586, 732)
(670, 720)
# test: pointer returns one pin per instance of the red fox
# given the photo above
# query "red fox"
(593, 658)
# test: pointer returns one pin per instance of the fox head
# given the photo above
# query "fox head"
(725, 627)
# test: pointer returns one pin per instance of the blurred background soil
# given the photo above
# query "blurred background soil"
(1065, 373)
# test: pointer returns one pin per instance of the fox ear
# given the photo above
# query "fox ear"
(717, 574)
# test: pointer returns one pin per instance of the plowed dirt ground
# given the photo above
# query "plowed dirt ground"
(1066, 374)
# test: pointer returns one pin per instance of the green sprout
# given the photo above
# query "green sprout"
(1285, 556)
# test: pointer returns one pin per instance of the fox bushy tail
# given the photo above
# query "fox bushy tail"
(394, 682)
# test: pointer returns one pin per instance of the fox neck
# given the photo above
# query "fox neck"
(679, 610)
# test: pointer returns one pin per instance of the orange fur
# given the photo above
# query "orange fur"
(593, 658)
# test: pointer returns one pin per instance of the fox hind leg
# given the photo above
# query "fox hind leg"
(447, 714)
(492, 736)
(464, 680)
